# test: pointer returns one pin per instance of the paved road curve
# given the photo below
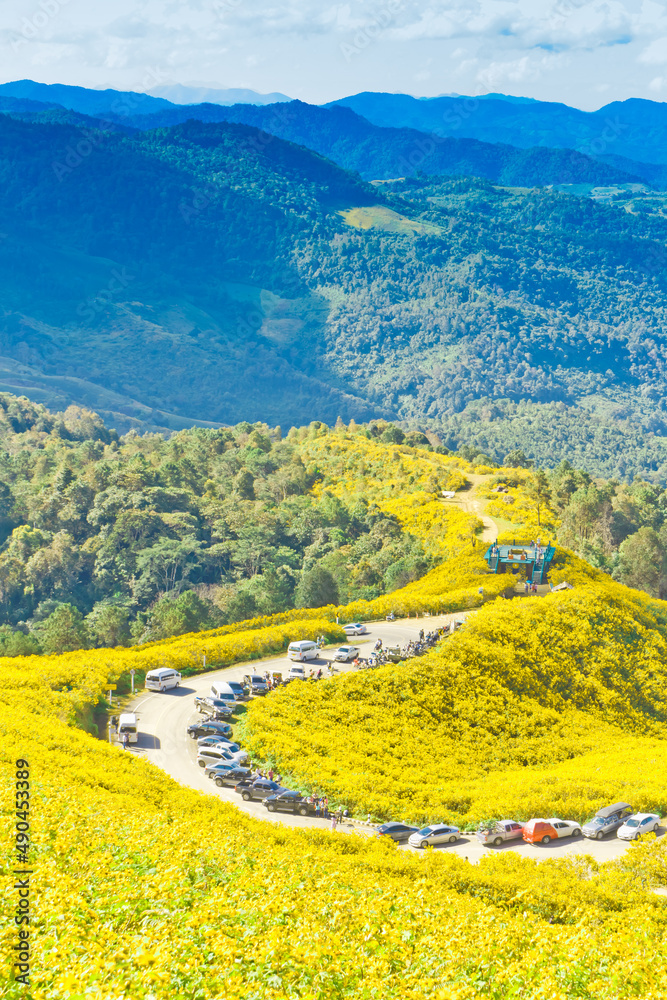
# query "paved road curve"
(164, 718)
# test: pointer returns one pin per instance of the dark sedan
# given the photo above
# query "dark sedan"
(292, 802)
(396, 831)
(208, 728)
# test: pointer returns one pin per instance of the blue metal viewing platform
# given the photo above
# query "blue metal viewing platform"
(534, 558)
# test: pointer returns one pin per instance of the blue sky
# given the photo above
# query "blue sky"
(582, 53)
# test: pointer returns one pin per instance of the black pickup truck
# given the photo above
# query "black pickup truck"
(260, 788)
(286, 801)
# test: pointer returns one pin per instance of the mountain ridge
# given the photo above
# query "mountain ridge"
(634, 128)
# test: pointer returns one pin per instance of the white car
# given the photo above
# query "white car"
(355, 628)
(346, 653)
(437, 834)
(296, 674)
(638, 824)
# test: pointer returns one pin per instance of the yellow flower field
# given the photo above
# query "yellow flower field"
(146, 890)
(537, 706)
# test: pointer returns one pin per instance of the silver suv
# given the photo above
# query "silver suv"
(607, 820)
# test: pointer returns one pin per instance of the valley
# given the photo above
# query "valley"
(275, 378)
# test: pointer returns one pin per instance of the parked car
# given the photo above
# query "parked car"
(355, 628)
(210, 741)
(219, 755)
(240, 692)
(396, 831)
(226, 775)
(261, 788)
(208, 728)
(217, 768)
(305, 649)
(286, 801)
(223, 691)
(216, 708)
(637, 825)
(543, 831)
(256, 684)
(162, 679)
(500, 832)
(240, 756)
(436, 834)
(226, 744)
(346, 653)
(607, 820)
(296, 673)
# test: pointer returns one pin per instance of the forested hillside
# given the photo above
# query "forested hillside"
(214, 273)
(380, 153)
(108, 540)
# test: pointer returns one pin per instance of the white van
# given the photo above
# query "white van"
(162, 679)
(222, 690)
(305, 649)
(127, 726)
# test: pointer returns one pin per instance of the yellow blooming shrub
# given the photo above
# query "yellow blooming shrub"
(517, 506)
(144, 889)
(63, 685)
(353, 465)
(538, 705)
(147, 890)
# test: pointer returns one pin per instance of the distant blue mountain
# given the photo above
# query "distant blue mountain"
(636, 129)
(88, 102)
(378, 153)
(21, 104)
(208, 95)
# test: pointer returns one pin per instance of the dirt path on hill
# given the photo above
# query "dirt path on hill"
(469, 501)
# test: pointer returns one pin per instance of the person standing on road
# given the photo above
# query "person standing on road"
(334, 821)
(126, 741)
(271, 774)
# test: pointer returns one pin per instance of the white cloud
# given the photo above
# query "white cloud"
(656, 52)
(554, 49)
